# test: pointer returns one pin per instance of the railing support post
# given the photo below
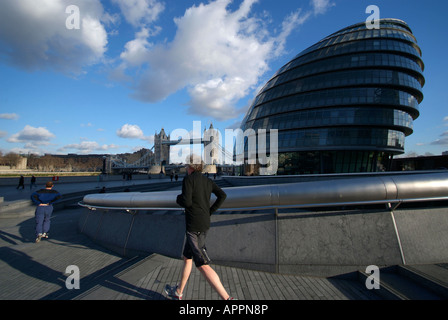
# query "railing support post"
(276, 242)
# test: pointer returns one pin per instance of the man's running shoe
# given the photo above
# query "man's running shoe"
(172, 292)
(39, 236)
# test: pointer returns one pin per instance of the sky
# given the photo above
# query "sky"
(103, 76)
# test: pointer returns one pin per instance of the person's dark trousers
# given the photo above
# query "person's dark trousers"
(43, 216)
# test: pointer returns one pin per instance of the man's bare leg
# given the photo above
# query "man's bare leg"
(213, 278)
(186, 271)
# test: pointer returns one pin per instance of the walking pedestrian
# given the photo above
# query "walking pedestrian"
(21, 183)
(195, 198)
(33, 182)
(44, 199)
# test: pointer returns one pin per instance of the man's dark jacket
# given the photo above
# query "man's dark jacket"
(195, 198)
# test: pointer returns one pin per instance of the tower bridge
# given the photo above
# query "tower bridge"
(159, 154)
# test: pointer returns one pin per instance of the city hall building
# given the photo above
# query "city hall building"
(345, 104)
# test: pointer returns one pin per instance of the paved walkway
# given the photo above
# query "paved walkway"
(30, 271)
(10, 193)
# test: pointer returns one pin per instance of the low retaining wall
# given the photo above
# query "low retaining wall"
(315, 243)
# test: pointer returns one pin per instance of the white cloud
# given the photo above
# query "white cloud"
(140, 12)
(216, 95)
(321, 6)
(217, 54)
(33, 35)
(132, 131)
(136, 51)
(9, 116)
(129, 131)
(442, 141)
(32, 135)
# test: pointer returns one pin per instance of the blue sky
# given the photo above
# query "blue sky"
(136, 66)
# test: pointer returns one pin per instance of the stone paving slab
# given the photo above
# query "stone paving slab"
(150, 277)
(31, 271)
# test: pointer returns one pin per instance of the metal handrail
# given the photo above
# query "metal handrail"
(397, 202)
(395, 189)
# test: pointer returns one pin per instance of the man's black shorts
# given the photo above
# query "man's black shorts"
(195, 248)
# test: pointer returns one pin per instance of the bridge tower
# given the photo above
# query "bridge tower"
(161, 151)
(212, 141)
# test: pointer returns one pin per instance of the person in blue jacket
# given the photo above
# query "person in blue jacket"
(44, 199)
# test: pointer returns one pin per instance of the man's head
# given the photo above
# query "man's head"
(49, 185)
(194, 163)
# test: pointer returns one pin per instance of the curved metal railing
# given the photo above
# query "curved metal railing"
(391, 190)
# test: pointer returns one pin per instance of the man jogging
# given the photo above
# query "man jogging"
(195, 198)
(44, 198)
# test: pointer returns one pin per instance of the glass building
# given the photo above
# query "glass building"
(343, 105)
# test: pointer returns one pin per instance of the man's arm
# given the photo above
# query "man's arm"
(220, 197)
(57, 196)
(185, 199)
(35, 198)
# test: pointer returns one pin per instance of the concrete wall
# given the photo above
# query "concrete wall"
(135, 233)
(423, 234)
(342, 240)
(318, 243)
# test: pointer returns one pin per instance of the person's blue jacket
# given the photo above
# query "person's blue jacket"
(45, 196)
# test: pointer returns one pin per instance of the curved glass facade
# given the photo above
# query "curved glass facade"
(345, 104)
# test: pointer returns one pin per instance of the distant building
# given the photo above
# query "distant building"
(346, 103)
(420, 163)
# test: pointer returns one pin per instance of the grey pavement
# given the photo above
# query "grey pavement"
(9, 192)
(30, 271)
(37, 271)
(33, 271)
